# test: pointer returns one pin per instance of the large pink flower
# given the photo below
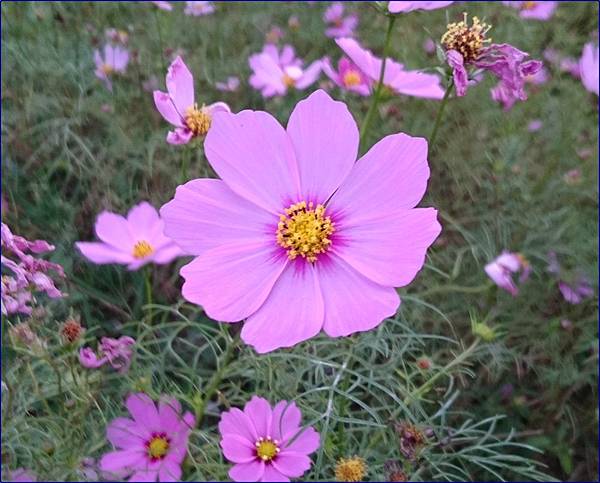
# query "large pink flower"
(295, 218)
(588, 67)
(407, 82)
(542, 10)
(133, 241)
(403, 7)
(152, 445)
(266, 444)
(178, 105)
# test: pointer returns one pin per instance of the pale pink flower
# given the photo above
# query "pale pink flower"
(113, 62)
(338, 25)
(429, 46)
(501, 271)
(152, 445)
(347, 76)
(198, 9)
(572, 177)
(253, 259)
(116, 352)
(535, 125)
(404, 7)
(576, 291)
(407, 82)
(230, 85)
(133, 241)
(267, 444)
(21, 475)
(274, 72)
(117, 36)
(164, 6)
(178, 105)
(538, 78)
(542, 10)
(588, 67)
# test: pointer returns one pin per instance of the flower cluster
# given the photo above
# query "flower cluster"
(116, 352)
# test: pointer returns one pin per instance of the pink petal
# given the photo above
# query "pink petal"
(164, 105)
(292, 465)
(417, 84)
(362, 305)
(115, 461)
(149, 475)
(114, 230)
(232, 281)
(101, 253)
(205, 213)
(143, 410)
(252, 471)
(126, 434)
(169, 410)
(252, 153)
(166, 254)
(325, 139)
(169, 472)
(310, 75)
(180, 84)
(271, 474)
(259, 412)
(306, 443)
(293, 312)
(286, 420)
(238, 449)
(235, 422)
(143, 220)
(181, 135)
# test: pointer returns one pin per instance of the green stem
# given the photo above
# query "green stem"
(364, 129)
(185, 162)
(438, 117)
(148, 284)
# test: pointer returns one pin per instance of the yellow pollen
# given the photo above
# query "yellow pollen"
(465, 39)
(288, 81)
(142, 249)
(158, 447)
(351, 469)
(304, 230)
(267, 448)
(351, 78)
(197, 120)
(528, 5)
(106, 69)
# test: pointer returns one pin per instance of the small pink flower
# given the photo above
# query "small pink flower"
(348, 76)
(198, 9)
(115, 61)
(152, 445)
(267, 444)
(116, 352)
(133, 241)
(542, 10)
(273, 73)
(535, 125)
(178, 105)
(501, 269)
(339, 26)
(404, 7)
(230, 85)
(429, 46)
(572, 177)
(588, 67)
(21, 475)
(274, 35)
(164, 6)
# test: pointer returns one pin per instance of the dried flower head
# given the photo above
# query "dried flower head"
(411, 441)
(394, 471)
(468, 40)
(350, 469)
(72, 330)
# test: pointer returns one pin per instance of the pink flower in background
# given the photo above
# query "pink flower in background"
(113, 62)
(133, 241)
(571, 66)
(117, 36)
(535, 125)
(294, 23)
(198, 9)
(588, 67)
(429, 46)
(231, 85)
(542, 10)
(297, 219)
(152, 445)
(267, 444)
(21, 475)
(407, 82)
(576, 291)
(116, 352)
(339, 26)
(538, 78)
(178, 105)
(403, 7)
(164, 6)
(273, 73)
(572, 177)
(347, 76)
(501, 270)
(274, 35)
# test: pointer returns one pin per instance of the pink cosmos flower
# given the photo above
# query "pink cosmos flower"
(297, 219)
(115, 61)
(164, 6)
(153, 444)
(178, 105)
(500, 270)
(404, 7)
(273, 73)
(133, 241)
(231, 85)
(577, 291)
(198, 9)
(266, 444)
(339, 26)
(116, 352)
(407, 82)
(347, 76)
(21, 475)
(588, 67)
(542, 10)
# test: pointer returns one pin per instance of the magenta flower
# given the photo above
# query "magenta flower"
(542, 10)
(407, 82)
(266, 444)
(21, 475)
(538, 78)
(297, 219)
(347, 76)
(339, 26)
(230, 85)
(576, 291)
(116, 352)
(588, 67)
(273, 73)
(115, 61)
(500, 270)
(404, 7)
(133, 241)
(178, 105)
(198, 9)
(164, 6)
(153, 444)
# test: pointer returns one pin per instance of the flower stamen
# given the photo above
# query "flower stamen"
(267, 448)
(142, 249)
(465, 39)
(351, 78)
(158, 446)
(197, 120)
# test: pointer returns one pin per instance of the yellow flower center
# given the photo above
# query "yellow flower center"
(351, 78)
(197, 120)
(267, 448)
(158, 447)
(528, 5)
(465, 39)
(288, 81)
(351, 469)
(142, 249)
(107, 69)
(304, 230)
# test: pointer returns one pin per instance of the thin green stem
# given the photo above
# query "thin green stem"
(148, 284)
(364, 128)
(438, 117)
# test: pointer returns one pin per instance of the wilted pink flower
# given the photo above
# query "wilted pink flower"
(403, 7)
(429, 46)
(339, 26)
(178, 105)
(298, 219)
(153, 444)
(267, 444)
(198, 9)
(117, 36)
(542, 10)
(500, 270)
(538, 78)
(274, 35)
(576, 291)
(164, 5)
(116, 352)
(21, 475)
(348, 76)
(115, 61)
(273, 73)
(535, 125)
(231, 85)
(407, 82)
(133, 241)
(588, 67)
